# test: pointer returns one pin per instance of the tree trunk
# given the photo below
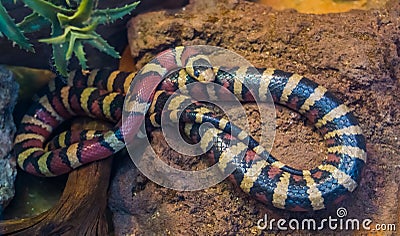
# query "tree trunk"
(80, 211)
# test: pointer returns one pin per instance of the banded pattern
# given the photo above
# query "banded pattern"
(100, 94)
(260, 174)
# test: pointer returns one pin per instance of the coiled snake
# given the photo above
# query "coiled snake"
(101, 94)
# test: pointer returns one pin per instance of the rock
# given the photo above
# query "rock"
(8, 97)
(356, 55)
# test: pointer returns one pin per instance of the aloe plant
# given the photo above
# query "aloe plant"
(11, 31)
(71, 28)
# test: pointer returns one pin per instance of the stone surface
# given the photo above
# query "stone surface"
(356, 55)
(8, 97)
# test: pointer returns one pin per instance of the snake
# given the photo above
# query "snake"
(103, 94)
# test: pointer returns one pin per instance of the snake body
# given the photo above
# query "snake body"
(101, 94)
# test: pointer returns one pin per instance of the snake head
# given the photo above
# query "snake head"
(203, 73)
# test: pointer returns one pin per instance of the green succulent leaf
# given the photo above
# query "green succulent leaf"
(80, 54)
(47, 9)
(33, 22)
(82, 14)
(11, 31)
(75, 36)
(59, 51)
(82, 33)
(103, 46)
(104, 16)
(73, 23)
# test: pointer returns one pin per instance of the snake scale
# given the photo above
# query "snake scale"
(101, 93)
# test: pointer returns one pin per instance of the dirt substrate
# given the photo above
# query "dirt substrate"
(356, 55)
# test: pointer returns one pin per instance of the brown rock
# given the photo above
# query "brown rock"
(8, 171)
(354, 54)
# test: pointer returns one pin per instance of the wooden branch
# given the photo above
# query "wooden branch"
(80, 210)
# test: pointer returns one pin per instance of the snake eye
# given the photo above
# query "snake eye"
(196, 73)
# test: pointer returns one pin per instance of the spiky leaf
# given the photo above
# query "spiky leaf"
(103, 46)
(75, 37)
(47, 9)
(81, 15)
(110, 15)
(59, 51)
(11, 31)
(80, 54)
(84, 33)
(33, 22)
